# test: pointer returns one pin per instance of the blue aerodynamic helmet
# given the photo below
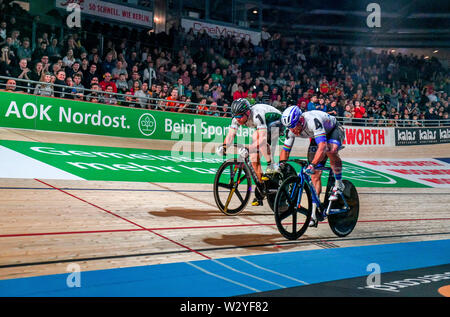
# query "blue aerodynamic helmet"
(291, 117)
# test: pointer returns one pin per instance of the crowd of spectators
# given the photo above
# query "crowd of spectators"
(195, 73)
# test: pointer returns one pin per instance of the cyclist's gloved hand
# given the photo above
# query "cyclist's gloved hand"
(310, 169)
(243, 151)
(221, 150)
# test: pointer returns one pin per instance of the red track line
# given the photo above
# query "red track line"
(187, 228)
(120, 217)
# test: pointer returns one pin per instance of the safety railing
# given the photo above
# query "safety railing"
(104, 97)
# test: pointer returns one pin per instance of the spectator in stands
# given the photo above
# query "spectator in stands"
(22, 72)
(70, 72)
(348, 115)
(54, 50)
(240, 93)
(24, 51)
(95, 95)
(5, 62)
(213, 111)
(172, 75)
(149, 73)
(3, 33)
(202, 108)
(185, 78)
(45, 63)
(118, 70)
(87, 78)
(321, 105)
(10, 85)
(108, 64)
(431, 114)
(141, 95)
(383, 119)
(122, 84)
(69, 59)
(445, 120)
(415, 121)
(359, 112)
(77, 87)
(45, 87)
(107, 81)
(36, 73)
(60, 81)
(204, 92)
(130, 101)
(108, 97)
(135, 77)
(172, 105)
(180, 87)
(334, 109)
(185, 106)
(39, 52)
(312, 105)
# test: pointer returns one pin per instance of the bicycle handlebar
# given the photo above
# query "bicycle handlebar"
(303, 163)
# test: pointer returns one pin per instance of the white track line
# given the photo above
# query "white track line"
(273, 272)
(248, 274)
(222, 277)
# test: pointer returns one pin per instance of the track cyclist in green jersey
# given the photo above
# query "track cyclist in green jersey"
(328, 135)
(266, 120)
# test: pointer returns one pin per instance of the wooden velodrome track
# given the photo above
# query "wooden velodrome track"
(47, 224)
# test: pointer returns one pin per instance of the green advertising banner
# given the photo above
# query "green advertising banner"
(97, 163)
(53, 114)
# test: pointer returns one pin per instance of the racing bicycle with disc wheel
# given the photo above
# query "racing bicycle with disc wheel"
(294, 201)
(233, 183)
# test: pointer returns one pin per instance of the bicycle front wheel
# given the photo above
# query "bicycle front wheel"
(232, 187)
(292, 215)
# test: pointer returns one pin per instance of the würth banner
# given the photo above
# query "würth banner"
(368, 136)
(418, 136)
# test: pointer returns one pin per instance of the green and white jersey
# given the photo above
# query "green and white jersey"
(261, 116)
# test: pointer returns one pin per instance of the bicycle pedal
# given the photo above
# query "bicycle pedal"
(313, 223)
(257, 203)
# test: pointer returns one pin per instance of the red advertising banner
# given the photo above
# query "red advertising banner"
(366, 136)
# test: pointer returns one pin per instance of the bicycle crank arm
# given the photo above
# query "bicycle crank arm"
(327, 212)
(228, 199)
(337, 211)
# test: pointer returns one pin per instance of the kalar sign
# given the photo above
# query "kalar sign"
(417, 136)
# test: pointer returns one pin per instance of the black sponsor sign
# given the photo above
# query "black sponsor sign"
(418, 136)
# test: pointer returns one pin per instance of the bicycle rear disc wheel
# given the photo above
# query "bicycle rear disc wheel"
(232, 187)
(342, 224)
(292, 219)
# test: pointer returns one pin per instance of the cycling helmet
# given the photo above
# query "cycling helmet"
(291, 116)
(239, 106)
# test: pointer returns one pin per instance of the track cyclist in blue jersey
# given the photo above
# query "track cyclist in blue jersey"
(326, 136)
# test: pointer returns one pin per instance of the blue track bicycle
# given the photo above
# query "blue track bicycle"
(294, 201)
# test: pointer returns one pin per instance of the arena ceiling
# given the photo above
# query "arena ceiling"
(403, 23)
